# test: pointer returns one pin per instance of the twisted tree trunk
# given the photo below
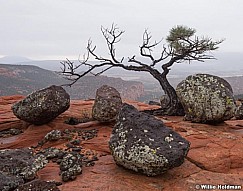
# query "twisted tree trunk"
(173, 106)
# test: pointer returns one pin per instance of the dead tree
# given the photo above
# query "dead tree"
(182, 46)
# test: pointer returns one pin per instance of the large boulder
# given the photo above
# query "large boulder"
(107, 104)
(42, 106)
(142, 143)
(206, 98)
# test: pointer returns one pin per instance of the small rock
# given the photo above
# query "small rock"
(10, 132)
(72, 121)
(76, 149)
(206, 98)
(142, 143)
(69, 145)
(51, 153)
(71, 166)
(88, 134)
(107, 104)
(75, 142)
(42, 106)
(53, 135)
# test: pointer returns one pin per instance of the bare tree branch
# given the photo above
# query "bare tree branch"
(183, 46)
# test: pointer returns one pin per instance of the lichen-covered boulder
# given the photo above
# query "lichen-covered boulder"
(142, 143)
(206, 98)
(239, 112)
(107, 104)
(42, 106)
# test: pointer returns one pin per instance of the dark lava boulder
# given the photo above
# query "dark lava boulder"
(42, 106)
(206, 98)
(107, 104)
(142, 143)
(18, 166)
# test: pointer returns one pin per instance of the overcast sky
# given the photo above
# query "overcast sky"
(56, 29)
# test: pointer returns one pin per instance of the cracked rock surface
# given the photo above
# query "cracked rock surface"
(144, 144)
(206, 98)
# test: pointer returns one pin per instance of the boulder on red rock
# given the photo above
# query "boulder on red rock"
(18, 166)
(142, 143)
(42, 106)
(206, 98)
(107, 104)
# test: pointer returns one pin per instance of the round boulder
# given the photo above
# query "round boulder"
(42, 106)
(107, 104)
(206, 98)
(142, 143)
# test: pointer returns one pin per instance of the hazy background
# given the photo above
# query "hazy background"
(56, 29)
(45, 32)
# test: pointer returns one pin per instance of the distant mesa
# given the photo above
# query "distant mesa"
(24, 79)
(13, 59)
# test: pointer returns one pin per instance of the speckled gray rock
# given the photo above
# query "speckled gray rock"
(142, 143)
(42, 106)
(53, 135)
(107, 104)
(206, 98)
(239, 112)
(18, 166)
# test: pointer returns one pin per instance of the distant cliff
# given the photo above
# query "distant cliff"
(24, 79)
(86, 87)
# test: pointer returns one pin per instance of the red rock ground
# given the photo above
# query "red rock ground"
(215, 156)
